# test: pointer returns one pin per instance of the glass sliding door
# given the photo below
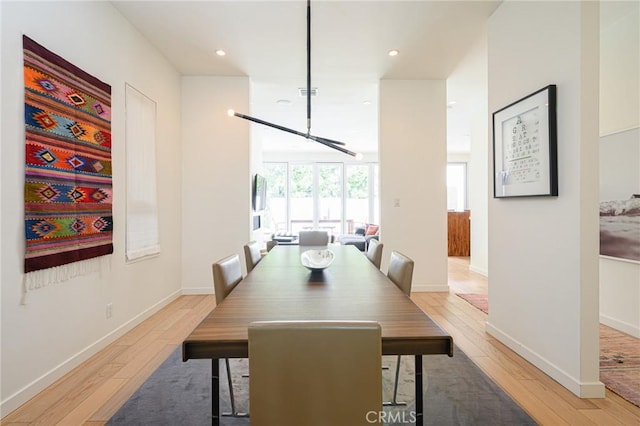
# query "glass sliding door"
(275, 215)
(336, 197)
(329, 197)
(375, 204)
(301, 206)
(357, 196)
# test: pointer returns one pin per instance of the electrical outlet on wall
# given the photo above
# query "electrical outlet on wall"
(109, 310)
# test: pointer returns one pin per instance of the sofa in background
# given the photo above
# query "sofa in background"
(361, 236)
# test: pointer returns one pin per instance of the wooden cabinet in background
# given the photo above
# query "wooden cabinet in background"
(459, 234)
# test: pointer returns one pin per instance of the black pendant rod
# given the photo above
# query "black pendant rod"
(308, 67)
(324, 141)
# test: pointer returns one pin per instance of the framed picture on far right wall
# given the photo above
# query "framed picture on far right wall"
(525, 159)
(620, 195)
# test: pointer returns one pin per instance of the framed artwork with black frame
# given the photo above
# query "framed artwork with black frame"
(525, 154)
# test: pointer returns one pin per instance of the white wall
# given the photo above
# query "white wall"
(255, 166)
(413, 194)
(619, 66)
(620, 295)
(619, 112)
(63, 324)
(458, 157)
(216, 188)
(467, 84)
(543, 252)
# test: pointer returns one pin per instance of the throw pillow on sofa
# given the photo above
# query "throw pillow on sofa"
(372, 230)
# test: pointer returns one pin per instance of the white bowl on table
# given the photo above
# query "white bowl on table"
(317, 259)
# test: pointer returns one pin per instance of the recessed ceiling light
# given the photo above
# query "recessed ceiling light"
(220, 52)
(366, 103)
(394, 52)
(283, 102)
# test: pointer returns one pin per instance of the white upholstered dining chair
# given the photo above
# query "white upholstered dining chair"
(400, 272)
(252, 255)
(374, 252)
(315, 373)
(271, 244)
(227, 274)
(313, 238)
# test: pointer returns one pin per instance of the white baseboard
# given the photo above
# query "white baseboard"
(38, 385)
(429, 288)
(620, 325)
(480, 271)
(580, 389)
(192, 291)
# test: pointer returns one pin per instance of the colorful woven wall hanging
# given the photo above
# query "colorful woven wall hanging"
(68, 188)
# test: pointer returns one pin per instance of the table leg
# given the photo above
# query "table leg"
(394, 402)
(232, 398)
(419, 401)
(215, 392)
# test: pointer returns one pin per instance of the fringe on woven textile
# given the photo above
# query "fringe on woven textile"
(43, 277)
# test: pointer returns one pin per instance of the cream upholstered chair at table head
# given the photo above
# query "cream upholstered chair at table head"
(400, 271)
(313, 238)
(227, 274)
(374, 252)
(252, 255)
(315, 373)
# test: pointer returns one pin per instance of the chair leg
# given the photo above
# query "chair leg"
(394, 402)
(233, 412)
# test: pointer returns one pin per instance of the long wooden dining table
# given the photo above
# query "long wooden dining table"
(281, 288)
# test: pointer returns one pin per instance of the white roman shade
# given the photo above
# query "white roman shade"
(142, 234)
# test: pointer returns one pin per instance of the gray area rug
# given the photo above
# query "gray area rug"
(456, 393)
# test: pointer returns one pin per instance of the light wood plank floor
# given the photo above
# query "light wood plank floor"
(93, 392)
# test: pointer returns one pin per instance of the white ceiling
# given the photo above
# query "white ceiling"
(266, 40)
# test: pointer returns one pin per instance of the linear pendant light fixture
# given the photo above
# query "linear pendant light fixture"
(339, 146)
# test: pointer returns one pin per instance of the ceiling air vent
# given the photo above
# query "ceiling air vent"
(303, 92)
